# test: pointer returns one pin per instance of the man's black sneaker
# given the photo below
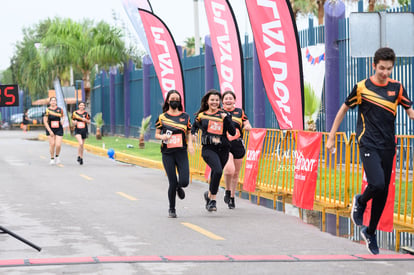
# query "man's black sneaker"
(206, 198)
(79, 158)
(211, 206)
(231, 204)
(172, 214)
(227, 195)
(371, 241)
(357, 212)
(180, 193)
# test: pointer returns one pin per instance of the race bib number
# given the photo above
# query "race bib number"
(215, 127)
(54, 124)
(175, 141)
(236, 136)
(80, 125)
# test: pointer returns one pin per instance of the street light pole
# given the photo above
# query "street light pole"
(196, 29)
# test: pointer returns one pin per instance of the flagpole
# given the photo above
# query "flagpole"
(196, 29)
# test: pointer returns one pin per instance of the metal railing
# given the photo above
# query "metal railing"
(339, 174)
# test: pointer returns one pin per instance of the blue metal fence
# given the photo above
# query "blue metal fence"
(357, 69)
(352, 70)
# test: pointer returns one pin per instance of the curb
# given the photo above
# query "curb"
(118, 156)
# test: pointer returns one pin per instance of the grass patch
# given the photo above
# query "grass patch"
(330, 184)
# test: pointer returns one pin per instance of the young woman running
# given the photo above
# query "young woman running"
(237, 150)
(214, 124)
(54, 129)
(25, 121)
(81, 119)
(173, 128)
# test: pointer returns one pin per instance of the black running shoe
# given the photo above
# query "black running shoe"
(206, 198)
(211, 206)
(357, 212)
(371, 241)
(172, 214)
(81, 161)
(231, 204)
(79, 158)
(227, 196)
(180, 193)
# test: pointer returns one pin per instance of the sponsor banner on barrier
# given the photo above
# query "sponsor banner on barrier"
(278, 50)
(386, 222)
(306, 168)
(226, 46)
(253, 152)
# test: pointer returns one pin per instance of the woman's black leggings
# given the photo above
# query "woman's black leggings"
(378, 169)
(216, 157)
(176, 161)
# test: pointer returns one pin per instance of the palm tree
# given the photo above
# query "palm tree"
(82, 45)
(143, 130)
(312, 103)
(189, 45)
(303, 7)
(99, 122)
(317, 7)
(25, 64)
(321, 11)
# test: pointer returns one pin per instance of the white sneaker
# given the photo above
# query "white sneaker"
(57, 160)
(52, 162)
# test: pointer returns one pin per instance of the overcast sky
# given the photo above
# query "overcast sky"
(177, 14)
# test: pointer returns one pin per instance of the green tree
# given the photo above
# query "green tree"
(404, 2)
(189, 45)
(6, 77)
(132, 51)
(25, 63)
(379, 5)
(82, 46)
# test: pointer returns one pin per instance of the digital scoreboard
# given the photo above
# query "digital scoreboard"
(9, 95)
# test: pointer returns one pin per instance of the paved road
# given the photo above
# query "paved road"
(81, 215)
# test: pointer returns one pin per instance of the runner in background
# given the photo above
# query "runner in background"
(173, 128)
(25, 121)
(214, 123)
(237, 150)
(54, 130)
(81, 119)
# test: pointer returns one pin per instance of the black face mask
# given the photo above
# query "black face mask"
(175, 104)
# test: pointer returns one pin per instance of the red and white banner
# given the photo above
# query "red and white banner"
(207, 172)
(278, 50)
(164, 54)
(386, 222)
(306, 168)
(254, 149)
(226, 46)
